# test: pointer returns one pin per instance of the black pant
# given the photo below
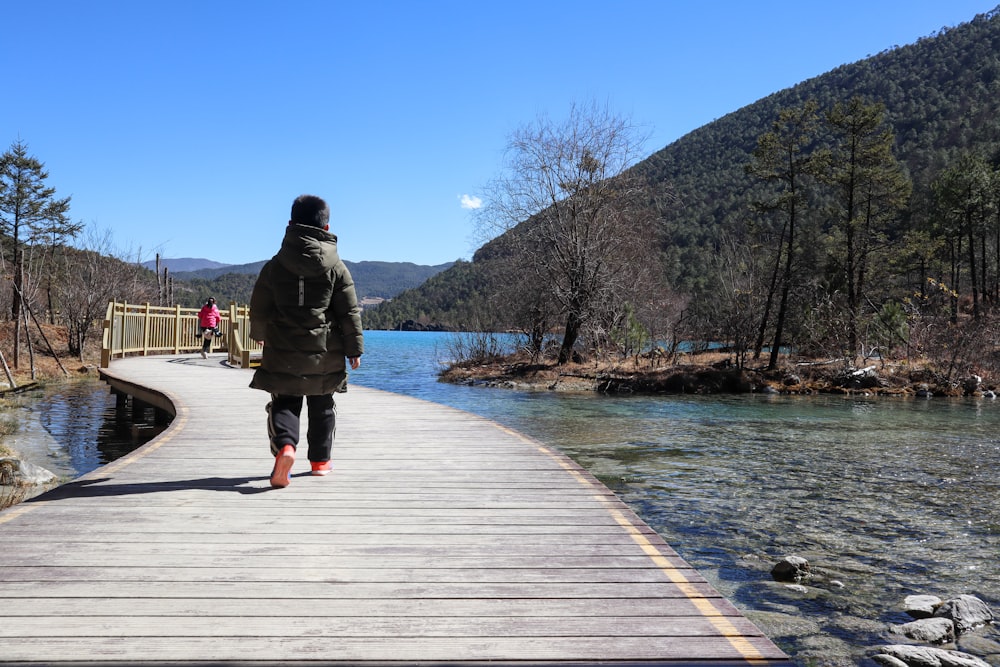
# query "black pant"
(206, 338)
(283, 414)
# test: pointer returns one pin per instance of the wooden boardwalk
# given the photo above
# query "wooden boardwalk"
(440, 538)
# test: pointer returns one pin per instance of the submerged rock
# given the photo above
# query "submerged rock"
(791, 568)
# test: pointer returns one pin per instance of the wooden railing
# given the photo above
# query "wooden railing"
(142, 329)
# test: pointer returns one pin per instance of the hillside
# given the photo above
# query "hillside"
(941, 95)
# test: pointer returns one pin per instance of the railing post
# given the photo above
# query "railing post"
(122, 336)
(146, 326)
(108, 338)
(177, 328)
(245, 329)
(231, 338)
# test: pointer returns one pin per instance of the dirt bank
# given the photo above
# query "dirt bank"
(717, 376)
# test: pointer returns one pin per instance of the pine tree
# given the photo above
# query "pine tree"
(30, 214)
(871, 189)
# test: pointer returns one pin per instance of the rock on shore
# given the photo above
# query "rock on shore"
(20, 480)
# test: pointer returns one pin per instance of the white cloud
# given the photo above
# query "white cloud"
(470, 202)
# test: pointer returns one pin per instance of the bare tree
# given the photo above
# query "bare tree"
(93, 275)
(520, 302)
(577, 223)
(742, 272)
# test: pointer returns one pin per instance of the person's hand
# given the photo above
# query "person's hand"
(355, 362)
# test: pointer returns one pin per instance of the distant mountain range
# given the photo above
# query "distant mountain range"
(199, 278)
(182, 264)
(186, 268)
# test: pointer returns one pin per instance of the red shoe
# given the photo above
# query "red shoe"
(322, 467)
(281, 476)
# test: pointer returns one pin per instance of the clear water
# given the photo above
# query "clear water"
(71, 429)
(885, 497)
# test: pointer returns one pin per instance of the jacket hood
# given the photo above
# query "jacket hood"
(307, 250)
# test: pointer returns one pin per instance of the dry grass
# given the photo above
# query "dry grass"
(47, 366)
(8, 427)
(11, 491)
(12, 495)
(706, 372)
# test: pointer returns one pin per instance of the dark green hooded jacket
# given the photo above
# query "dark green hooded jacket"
(305, 310)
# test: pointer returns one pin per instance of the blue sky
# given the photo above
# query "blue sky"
(187, 127)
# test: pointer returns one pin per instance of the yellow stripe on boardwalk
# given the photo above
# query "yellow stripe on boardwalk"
(439, 538)
(702, 603)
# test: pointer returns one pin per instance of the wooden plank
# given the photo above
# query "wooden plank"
(332, 588)
(367, 626)
(322, 573)
(551, 553)
(536, 608)
(498, 543)
(440, 538)
(431, 650)
(224, 558)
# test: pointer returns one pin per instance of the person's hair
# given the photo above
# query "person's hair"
(310, 210)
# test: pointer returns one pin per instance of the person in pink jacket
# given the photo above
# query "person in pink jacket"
(209, 319)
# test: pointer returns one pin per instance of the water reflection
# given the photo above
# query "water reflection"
(74, 428)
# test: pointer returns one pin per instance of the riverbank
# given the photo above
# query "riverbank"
(36, 369)
(715, 374)
(46, 339)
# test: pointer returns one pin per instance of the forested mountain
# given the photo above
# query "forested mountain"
(387, 279)
(941, 97)
(429, 305)
(235, 282)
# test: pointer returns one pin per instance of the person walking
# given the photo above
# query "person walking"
(209, 319)
(304, 311)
